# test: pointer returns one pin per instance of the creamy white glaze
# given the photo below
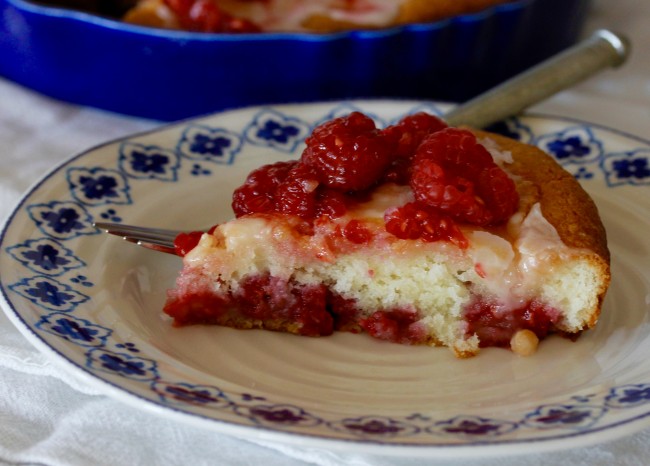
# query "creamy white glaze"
(538, 241)
(512, 269)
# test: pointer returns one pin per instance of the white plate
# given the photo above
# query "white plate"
(94, 303)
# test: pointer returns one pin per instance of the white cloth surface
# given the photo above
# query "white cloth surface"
(49, 417)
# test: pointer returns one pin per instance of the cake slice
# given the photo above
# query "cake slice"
(416, 234)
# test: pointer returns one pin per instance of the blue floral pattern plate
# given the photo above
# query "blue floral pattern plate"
(93, 303)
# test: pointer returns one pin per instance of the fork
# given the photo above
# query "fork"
(158, 239)
(601, 50)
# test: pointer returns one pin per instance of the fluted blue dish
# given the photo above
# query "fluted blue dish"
(169, 75)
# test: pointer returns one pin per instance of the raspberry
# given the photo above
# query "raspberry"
(455, 174)
(410, 131)
(457, 150)
(256, 195)
(289, 188)
(435, 187)
(185, 242)
(499, 192)
(418, 221)
(398, 172)
(297, 193)
(330, 203)
(348, 153)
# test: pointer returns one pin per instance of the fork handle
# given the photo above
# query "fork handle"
(603, 49)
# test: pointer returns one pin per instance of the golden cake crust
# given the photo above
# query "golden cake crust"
(564, 203)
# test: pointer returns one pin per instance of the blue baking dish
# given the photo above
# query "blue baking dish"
(169, 75)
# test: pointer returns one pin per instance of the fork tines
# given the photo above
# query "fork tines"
(152, 238)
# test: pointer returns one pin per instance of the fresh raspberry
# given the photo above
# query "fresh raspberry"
(418, 221)
(256, 195)
(398, 172)
(296, 195)
(349, 153)
(185, 242)
(272, 174)
(454, 173)
(457, 151)
(330, 203)
(499, 192)
(410, 131)
(435, 187)
(268, 298)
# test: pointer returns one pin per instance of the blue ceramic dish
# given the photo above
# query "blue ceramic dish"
(170, 75)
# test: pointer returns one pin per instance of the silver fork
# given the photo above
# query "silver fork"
(602, 50)
(158, 239)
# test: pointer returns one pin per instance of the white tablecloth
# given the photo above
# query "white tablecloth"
(47, 417)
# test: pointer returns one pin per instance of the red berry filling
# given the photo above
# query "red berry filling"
(496, 327)
(266, 300)
(310, 310)
(398, 326)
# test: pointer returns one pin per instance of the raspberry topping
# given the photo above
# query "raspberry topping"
(418, 221)
(297, 193)
(257, 194)
(454, 173)
(453, 179)
(332, 204)
(349, 153)
(411, 130)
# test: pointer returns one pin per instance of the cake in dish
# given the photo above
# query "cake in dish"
(417, 233)
(295, 15)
